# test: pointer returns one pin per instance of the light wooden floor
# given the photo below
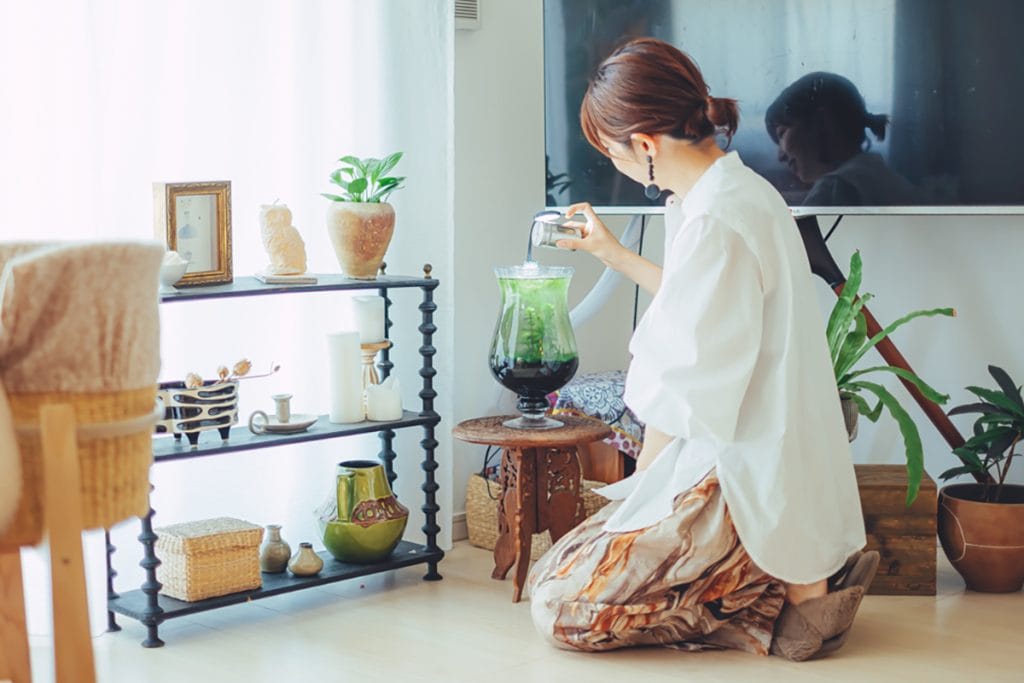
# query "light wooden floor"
(398, 629)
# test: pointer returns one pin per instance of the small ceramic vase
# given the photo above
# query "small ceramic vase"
(275, 552)
(305, 562)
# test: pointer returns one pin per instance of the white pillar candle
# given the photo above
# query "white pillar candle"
(345, 377)
(369, 315)
(384, 401)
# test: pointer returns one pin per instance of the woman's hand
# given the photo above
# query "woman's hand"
(597, 239)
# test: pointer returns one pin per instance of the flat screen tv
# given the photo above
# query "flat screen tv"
(944, 80)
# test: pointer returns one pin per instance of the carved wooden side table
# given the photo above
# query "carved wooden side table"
(540, 483)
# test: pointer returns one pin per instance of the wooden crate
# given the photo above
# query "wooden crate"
(905, 537)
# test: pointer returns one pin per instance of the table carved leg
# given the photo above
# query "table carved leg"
(526, 515)
(517, 516)
(505, 546)
(559, 492)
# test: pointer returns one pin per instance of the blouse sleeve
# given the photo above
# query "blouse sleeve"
(695, 349)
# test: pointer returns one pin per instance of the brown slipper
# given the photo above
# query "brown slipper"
(803, 631)
(860, 575)
(863, 571)
(820, 626)
(835, 582)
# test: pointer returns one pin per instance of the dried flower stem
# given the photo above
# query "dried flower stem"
(273, 368)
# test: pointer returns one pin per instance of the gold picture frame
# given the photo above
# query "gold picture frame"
(194, 219)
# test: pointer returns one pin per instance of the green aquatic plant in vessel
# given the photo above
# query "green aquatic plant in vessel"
(533, 351)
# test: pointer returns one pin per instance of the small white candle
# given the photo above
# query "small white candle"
(384, 401)
(369, 314)
(345, 377)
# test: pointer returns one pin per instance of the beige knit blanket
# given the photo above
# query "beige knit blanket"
(74, 317)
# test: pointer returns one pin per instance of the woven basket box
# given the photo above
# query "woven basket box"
(482, 513)
(208, 558)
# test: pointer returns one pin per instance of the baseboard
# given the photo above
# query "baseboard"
(460, 529)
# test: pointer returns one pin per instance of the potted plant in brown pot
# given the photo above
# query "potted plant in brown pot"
(981, 525)
(360, 222)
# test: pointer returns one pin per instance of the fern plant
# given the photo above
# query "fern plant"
(365, 180)
(848, 342)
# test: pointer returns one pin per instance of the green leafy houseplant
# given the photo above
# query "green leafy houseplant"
(848, 342)
(997, 431)
(365, 180)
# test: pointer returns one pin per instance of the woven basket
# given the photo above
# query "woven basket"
(208, 558)
(114, 470)
(482, 513)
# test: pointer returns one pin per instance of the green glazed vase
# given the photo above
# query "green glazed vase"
(370, 521)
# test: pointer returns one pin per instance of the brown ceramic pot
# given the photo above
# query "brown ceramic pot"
(360, 234)
(984, 541)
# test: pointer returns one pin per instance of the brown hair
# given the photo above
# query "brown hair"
(649, 86)
(825, 94)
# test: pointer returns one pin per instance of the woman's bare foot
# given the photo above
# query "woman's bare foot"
(654, 443)
(798, 592)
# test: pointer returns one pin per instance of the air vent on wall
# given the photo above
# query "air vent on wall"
(467, 14)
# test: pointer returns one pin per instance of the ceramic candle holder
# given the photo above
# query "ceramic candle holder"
(282, 407)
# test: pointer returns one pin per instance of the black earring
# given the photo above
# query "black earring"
(651, 191)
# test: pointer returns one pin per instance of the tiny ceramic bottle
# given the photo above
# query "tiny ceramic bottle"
(275, 552)
(305, 562)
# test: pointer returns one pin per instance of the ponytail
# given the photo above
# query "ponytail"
(876, 123)
(724, 113)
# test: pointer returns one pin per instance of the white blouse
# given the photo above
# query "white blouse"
(730, 359)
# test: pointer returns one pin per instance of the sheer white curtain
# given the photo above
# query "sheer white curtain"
(101, 98)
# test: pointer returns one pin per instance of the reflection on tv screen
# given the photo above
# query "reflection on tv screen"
(845, 106)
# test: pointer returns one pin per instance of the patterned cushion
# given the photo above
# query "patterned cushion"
(599, 395)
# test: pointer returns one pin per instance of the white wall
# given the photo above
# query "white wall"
(910, 262)
(916, 262)
(499, 186)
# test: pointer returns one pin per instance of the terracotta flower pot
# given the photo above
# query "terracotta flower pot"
(360, 234)
(984, 541)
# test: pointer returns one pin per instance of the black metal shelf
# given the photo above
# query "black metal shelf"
(151, 608)
(167, 447)
(133, 604)
(250, 286)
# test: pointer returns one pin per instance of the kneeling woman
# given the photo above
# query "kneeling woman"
(742, 525)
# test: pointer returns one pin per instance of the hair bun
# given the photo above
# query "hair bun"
(724, 113)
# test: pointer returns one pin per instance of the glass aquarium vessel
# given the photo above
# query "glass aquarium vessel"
(533, 352)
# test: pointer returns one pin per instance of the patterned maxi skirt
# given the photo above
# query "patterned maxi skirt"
(685, 582)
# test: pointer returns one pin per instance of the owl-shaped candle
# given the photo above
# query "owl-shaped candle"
(282, 241)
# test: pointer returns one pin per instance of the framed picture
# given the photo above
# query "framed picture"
(194, 219)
